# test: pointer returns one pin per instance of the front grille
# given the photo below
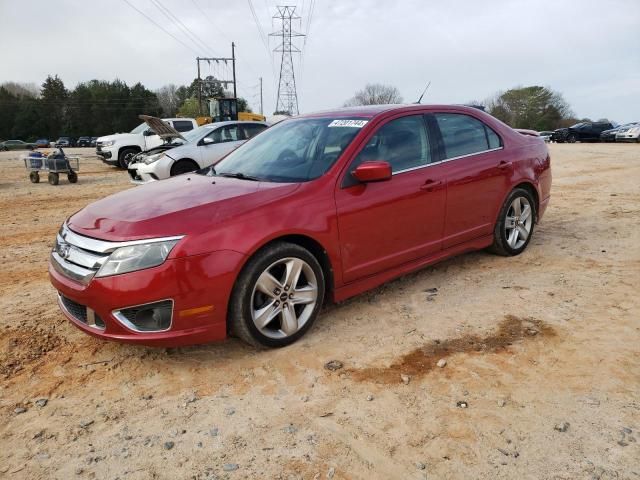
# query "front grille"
(78, 257)
(77, 311)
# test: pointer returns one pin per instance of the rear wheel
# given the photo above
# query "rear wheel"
(72, 177)
(54, 178)
(183, 166)
(34, 177)
(514, 228)
(277, 296)
(125, 156)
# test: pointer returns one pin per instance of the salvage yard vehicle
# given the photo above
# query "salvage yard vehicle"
(202, 147)
(321, 206)
(65, 142)
(42, 143)
(83, 142)
(630, 133)
(120, 148)
(582, 132)
(16, 145)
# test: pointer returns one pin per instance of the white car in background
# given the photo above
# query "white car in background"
(630, 134)
(202, 147)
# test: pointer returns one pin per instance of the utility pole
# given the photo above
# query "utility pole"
(261, 109)
(225, 83)
(199, 89)
(233, 60)
(287, 100)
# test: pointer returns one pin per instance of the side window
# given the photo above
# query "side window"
(464, 135)
(230, 133)
(402, 142)
(182, 125)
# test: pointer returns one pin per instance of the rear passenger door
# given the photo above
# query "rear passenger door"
(477, 176)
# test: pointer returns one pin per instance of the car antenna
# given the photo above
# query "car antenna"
(423, 92)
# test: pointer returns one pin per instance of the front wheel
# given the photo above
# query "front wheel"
(72, 177)
(514, 228)
(572, 138)
(277, 296)
(125, 156)
(34, 177)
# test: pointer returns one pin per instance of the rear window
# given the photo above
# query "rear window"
(182, 125)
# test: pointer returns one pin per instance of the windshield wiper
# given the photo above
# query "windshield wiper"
(239, 175)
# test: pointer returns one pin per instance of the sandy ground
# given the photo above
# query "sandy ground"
(542, 349)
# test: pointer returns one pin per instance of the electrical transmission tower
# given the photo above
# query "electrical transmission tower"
(287, 95)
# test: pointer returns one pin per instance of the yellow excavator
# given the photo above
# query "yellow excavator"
(223, 109)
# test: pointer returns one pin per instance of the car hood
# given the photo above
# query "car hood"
(184, 205)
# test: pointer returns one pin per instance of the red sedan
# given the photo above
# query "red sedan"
(322, 206)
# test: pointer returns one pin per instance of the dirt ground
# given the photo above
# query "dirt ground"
(543, 350)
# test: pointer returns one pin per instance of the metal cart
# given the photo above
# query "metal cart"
(55, 163)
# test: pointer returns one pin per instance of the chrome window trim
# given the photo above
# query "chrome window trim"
(117, 314)
(447, 160)
(105, 246)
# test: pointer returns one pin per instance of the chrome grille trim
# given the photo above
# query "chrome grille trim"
(79, 258)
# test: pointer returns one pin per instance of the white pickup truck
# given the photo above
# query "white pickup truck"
(119, 149)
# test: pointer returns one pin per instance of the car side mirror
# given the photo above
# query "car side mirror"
(373, 171)
(207, 141)
(148, 133)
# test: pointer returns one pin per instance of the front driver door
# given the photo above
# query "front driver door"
(224, 140)
(382, 225)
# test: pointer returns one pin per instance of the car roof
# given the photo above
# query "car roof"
(370, 111)
(232, 122)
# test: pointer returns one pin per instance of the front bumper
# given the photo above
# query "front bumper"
(199, 286)
(627, 137)
(107, 155)
(142, 173)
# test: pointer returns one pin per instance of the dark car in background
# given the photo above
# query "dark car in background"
(65, 142)
(92, 141)
(581, 132)
(16, 145)
(83, 142)
(43, 143)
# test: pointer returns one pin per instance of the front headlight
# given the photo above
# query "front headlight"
(108, 143)
(153, 158)
(634, 130)
(136, 257)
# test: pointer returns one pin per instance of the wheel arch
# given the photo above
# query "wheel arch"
(185, 160)
(531, 188)
(312, 246)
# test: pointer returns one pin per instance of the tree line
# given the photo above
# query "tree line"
(94, 108)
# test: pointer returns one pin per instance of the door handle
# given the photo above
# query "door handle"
(430, 185)
(504, 165)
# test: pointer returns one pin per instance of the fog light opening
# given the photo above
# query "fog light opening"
(152, 317)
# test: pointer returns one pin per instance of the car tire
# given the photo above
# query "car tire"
(34, 177)
(54, 178)
(277, 296)
(125, 156)
(572, 138)
(183, 166)
(510, 220)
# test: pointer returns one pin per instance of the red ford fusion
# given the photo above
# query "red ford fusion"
(320, 207)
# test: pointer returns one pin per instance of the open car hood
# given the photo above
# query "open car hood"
(161, 128)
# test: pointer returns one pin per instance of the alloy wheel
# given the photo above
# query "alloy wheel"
(518, 222)
(284, 298)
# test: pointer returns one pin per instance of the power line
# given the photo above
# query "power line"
(159, 26)
(188, 32)
(260, 31)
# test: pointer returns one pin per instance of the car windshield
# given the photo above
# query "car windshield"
(295, 150)
(195, 134)
(140, 128)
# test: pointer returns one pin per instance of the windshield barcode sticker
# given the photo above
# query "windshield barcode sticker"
(349, 123)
